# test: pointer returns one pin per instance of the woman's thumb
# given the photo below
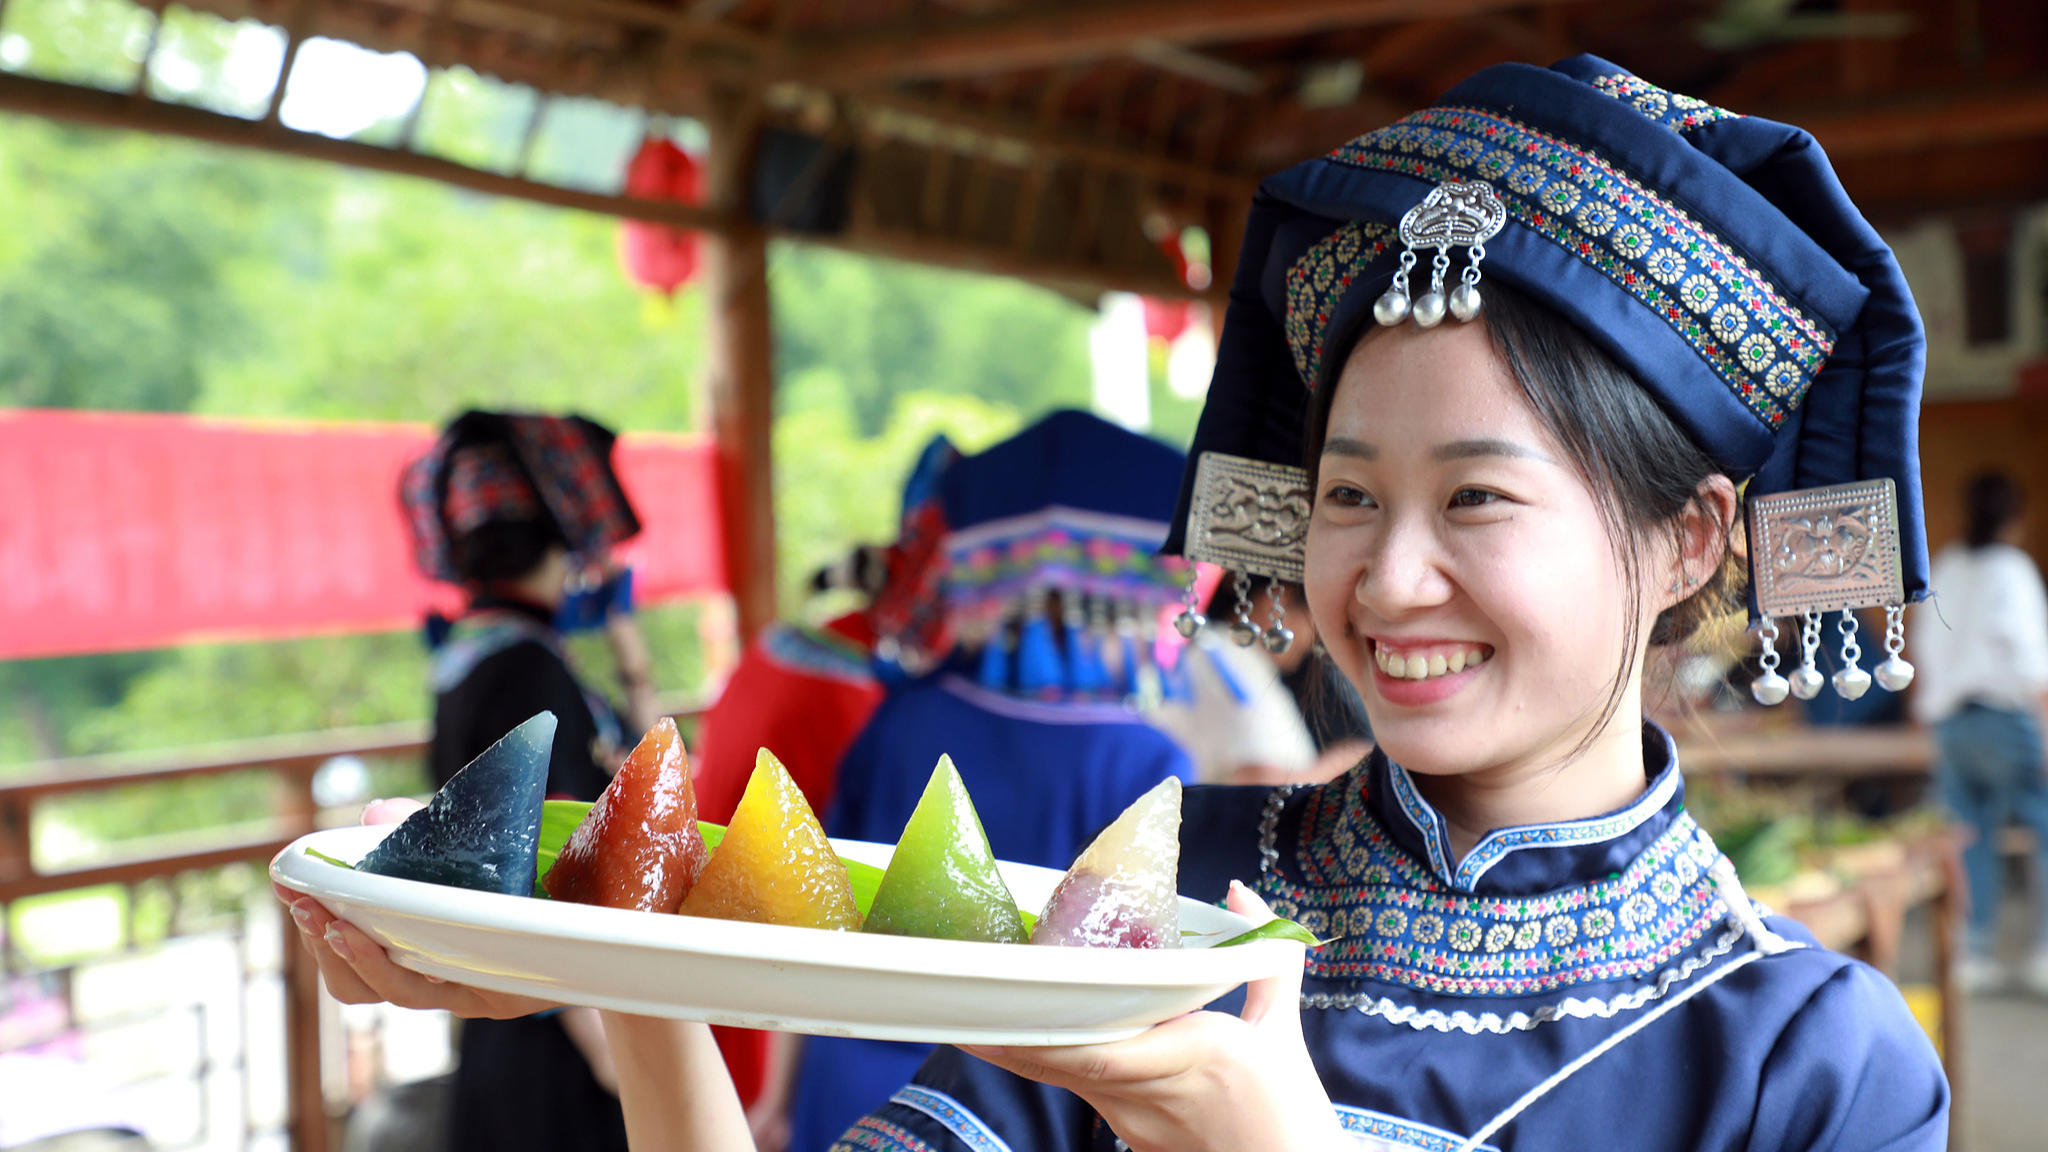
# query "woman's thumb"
(1276, 1000)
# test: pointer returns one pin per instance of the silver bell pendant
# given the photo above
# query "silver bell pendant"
(1391, 308)
(1429, 309)
(1807, 682)
(1278, 640)
(1188, 623)
(1770, 688)
(1851, 682)
(1244, 633)
(1464, 302)
(1894, 674)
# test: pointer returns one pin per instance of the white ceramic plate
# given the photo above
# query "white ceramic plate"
(785, 979)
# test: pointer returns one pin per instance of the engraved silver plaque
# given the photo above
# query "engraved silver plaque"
(1819, 549)
(1249, 516)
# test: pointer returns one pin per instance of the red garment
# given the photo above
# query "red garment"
(801, 693)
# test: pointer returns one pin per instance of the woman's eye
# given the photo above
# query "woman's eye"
(1345, 496)
(1473, 498)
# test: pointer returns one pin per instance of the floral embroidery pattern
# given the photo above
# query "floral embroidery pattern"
(957, 1117)
(1398, 922)
(1318, 280)
(1677, 112)
(1393, 1130)
(872, 1135)
(1641, 241)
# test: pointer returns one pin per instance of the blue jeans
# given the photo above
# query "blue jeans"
(1990, 773)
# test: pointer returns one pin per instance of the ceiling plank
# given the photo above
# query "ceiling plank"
(1038, 34)
(115, 110)
(1951, 120)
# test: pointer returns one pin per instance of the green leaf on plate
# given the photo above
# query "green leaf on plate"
(1275, 930)
(319, 855)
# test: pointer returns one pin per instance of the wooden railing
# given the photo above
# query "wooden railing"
(291, 762)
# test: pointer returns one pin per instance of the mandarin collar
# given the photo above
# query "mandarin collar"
(1530, 858)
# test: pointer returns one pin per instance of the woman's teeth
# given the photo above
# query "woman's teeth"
(1430, 664)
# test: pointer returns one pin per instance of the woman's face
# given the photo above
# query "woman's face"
(1458, 567)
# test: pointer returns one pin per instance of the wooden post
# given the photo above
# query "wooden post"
(739, 383)
(310, 1128)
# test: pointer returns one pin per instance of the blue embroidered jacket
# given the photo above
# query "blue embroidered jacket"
(1596, 983)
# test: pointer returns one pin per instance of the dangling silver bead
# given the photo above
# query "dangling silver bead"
(1244, 633)
(1851, 682)
(1894, 674)
(1391, 308)
(1807, 682)
(1429, 310)
(1188, 623)
(1279, 640)
(1769, 688)
(1464, 302)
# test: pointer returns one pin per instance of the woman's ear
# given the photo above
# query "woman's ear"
(1706, 531)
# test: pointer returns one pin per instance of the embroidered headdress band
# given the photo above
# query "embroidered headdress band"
(1713, 256)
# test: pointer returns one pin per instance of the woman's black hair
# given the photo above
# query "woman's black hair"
(1991, 502)
(503, 549)
(1644, 471)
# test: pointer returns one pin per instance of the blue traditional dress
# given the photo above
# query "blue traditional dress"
(1072, 505)
(1592, 984)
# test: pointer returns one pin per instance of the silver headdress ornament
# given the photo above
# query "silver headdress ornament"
(1817, 550)
(1250, 517)
(1456, 214)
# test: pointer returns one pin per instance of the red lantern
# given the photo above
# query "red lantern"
(660, 256)
(1166, 319)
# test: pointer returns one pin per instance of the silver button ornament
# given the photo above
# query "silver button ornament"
(1456, 214)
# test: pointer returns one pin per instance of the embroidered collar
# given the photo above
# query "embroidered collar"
(1528, 858)
(1629, 893)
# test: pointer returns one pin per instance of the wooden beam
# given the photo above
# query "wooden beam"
(1039, 34)
(995, 261)
(1915, 124)
(117, 110)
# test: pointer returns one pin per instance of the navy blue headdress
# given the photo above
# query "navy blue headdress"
(1713, 255)
(1074, 505)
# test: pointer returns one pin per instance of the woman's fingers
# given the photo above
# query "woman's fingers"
(1158, 1053)
(1276, 998)
(390, 811)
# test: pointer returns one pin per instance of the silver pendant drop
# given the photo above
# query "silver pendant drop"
(1769, 688)
(1894, 674)
(1188, 623)
(1391, 308)
(1429, 310)
(1465, 302)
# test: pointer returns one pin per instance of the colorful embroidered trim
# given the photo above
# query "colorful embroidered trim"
(1741, 323)
(872, 1135)
(957, 1117)
(1676, 111)
(813, 653)
(1317, 281)
(1393, 1132)
(1570, 1008)
(1103, 555)
(1396, 921)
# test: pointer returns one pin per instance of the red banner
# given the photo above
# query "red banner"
(125, 530)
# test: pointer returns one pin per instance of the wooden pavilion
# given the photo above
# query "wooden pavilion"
(1058, 141)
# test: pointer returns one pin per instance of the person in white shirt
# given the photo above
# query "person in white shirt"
(1982, 688)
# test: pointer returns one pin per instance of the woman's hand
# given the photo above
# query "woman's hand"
(1206, 1082)
(358, 971)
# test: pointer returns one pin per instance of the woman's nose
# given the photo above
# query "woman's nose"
(1403, 572)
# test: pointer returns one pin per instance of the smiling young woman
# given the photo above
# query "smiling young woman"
(1530, 943)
